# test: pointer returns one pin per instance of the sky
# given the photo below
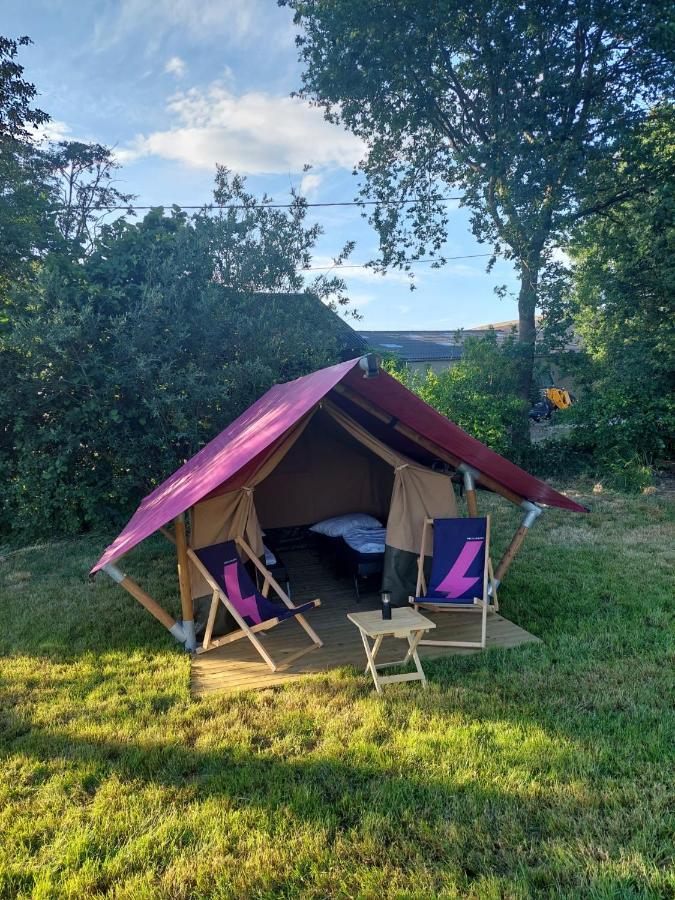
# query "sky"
(176, 86)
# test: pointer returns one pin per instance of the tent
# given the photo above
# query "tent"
(348, 437)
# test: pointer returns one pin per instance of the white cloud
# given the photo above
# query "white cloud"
(54, 130)
(359, 274)
(175, 66)
(254, 133)
(561, 256)
(358, 300)
(309, 184)
(233, 20)
(460, 270)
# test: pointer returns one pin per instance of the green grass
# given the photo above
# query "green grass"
(546, 770)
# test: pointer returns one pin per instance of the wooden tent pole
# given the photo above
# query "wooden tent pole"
(470, 476)
(532, 510)
(532, 513)
(184, 583)
(428, 445)
(146, 600)
(393, 422)
(471, 504)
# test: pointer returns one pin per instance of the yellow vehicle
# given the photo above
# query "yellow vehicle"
(552, 398)
(559, 397)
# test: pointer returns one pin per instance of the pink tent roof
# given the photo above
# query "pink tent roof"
(264, 423)
(394, 398)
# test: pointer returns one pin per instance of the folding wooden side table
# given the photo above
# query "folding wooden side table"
(405, 623)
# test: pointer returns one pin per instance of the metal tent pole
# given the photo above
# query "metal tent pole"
(470, 476)
(184, 582)
(532, 513)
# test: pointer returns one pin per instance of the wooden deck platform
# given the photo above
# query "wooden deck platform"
(237, 666)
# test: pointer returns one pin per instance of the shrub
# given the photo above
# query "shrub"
(124, 363)
(479, 393)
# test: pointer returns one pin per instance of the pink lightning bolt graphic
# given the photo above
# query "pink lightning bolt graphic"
(455, 582)
(245, 606)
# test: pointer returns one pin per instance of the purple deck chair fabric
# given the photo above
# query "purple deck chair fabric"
(228, 571)
(458, 561)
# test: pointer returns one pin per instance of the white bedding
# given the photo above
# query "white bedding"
(366, 540)
(338, 526)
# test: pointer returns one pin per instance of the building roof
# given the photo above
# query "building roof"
(430, 346)
(507, 326)
(504, 329)
(415, 346)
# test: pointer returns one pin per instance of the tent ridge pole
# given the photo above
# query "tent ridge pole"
(137, 592)
(532, 512)
(167, 534)
(428, 445)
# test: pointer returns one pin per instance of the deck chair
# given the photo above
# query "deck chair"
(226, 575)
(461, 572)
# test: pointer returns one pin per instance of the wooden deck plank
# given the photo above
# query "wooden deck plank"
(237, 666)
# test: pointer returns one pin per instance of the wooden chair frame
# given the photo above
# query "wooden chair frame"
(488, 602)
(245, 630)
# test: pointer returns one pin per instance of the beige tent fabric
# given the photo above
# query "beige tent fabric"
(233, 514)
(326, 473)
(224, 517)
(418, 492)
(319, 490)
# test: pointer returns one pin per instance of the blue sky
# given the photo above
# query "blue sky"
(178, 85)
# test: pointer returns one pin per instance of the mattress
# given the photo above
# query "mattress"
(365, 540)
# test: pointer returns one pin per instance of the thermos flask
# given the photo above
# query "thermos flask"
(386, 605)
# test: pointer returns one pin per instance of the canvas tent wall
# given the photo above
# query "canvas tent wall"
(379, 415)
(332, 466)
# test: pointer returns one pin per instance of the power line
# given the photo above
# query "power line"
(405, 202)
(340, 203)
(367, 265)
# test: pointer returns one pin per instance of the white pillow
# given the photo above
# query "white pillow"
(338, 525)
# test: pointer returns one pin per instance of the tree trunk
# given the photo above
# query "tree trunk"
(527, 327)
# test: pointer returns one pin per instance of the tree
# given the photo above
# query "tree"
(623, 305)
(261, 247)
(83, 180)
(133, 356)
(16, 94)
(26, 219)
(25, 195)
(479, 393)
(514, 103)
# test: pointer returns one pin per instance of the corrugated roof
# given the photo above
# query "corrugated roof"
(415, 346)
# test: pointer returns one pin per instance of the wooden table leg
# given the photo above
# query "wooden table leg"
(375, 650)
(413, 641)
(370, 656)
(413, 638)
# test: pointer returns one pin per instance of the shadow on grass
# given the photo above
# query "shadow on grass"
(340, 794)
(64, 618)
(402, 814)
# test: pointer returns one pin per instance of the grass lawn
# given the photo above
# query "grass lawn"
(545, 770)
